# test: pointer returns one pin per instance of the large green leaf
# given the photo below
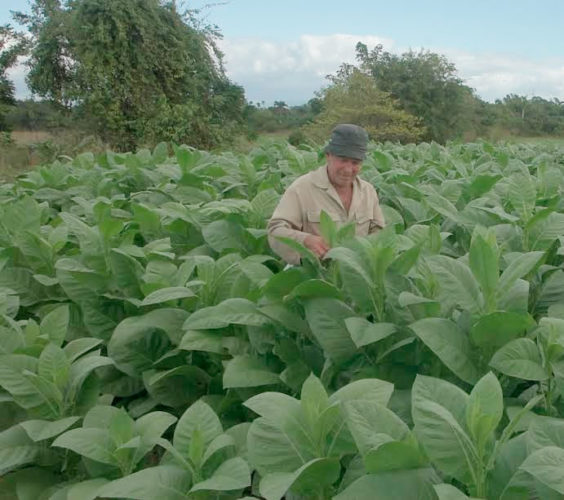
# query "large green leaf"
(13, 380)
(309, 480)
(505, 474)
(247, 371)
(223, 235)
(127, 272)
(363, 332)
(79, 372)
(55, 324)
(484, 410)
(204, 340)
(163, 481)
(395, 455)
(484, 265)
(369, 422)
(420, 307)
(264, 203)
(89, 442)
(86, 490)
(282, 440)
(233, 474)
(547, 465)
(414, 484)
(519, 358)
(498, 328)
(16, 449)
(235, 311)
(456, 282)
(31, 483)
(446, 443)
(545, 431)
(274, 406)
(199, 419)
(450, 344)
(448, 395)
(39, 430)
(547, 230)
(278, 446)
(78, 281)
(286, 317)
(357, 279)
(521, 192)
(326, 318)
(314, 288)
(519, 267)
(177, 387)
(449, 492)
(139, 341)
(377, 391)
(76, 348)
(166, 294)
(152, 425)
(54, 366)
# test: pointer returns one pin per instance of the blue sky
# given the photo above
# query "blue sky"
(282, 50)
(522, 27)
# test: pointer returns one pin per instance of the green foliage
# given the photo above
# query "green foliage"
(12, 45)
(280, 118)
(138, 71)
(529, 116)
(426, 85)
(354, 97)
(151, 345)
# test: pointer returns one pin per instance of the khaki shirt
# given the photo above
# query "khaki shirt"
(298, 212)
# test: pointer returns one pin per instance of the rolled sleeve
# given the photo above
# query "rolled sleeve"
(377, 221)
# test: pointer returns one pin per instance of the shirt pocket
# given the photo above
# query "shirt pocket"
(362, 222)
(314, 221)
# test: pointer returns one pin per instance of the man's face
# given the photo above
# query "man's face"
(342, 171)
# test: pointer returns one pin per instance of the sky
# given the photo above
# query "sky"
(283, 50)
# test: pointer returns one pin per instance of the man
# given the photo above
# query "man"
(333, 188)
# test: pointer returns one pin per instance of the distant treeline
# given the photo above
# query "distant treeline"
(512, 116)
(137, 72)
(408, 98)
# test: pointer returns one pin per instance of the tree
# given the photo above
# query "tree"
(137, 70)
(526, 116)
(426, 84)
(12, 45)
(355, 98)
(280, 107)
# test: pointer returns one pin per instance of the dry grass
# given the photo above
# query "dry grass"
(26, 149)
(30, 137)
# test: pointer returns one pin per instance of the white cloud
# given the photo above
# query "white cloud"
(496, 75)
(290, 71)
(293, 71)
(16, 74)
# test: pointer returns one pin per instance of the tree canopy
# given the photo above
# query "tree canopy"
(138, 70)
(12, 45)
(354, 97)
(426, 85)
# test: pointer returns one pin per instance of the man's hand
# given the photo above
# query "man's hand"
(317, 245)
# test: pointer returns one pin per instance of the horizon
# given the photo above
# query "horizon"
(283, 52)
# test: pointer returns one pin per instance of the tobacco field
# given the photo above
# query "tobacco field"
(153, 347)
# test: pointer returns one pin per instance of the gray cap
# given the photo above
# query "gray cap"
(349, 141)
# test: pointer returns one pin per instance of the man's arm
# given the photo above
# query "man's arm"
(377, 222)
(287, 222)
